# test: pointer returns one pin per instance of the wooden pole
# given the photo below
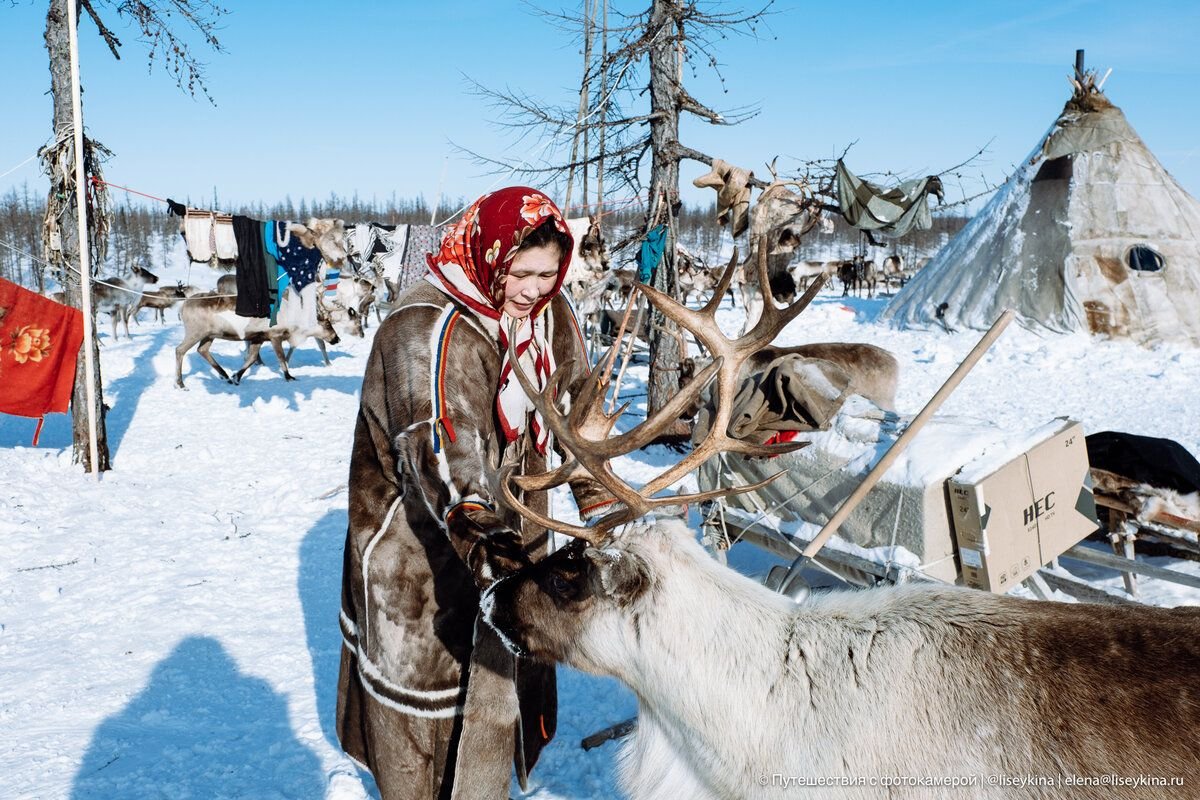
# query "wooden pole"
(441, 184)
(85, 256)
(897, 448)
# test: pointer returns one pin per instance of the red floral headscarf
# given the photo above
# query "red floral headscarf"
(477, 252)
(475, 256)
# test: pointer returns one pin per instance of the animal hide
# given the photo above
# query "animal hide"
(733, 194)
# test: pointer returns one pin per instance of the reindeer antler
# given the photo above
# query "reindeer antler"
(585, 432)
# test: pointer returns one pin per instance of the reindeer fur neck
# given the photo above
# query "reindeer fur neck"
(736, 681)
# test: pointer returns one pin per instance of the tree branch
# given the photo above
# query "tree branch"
(110, 39)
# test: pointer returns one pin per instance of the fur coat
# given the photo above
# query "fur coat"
(428, 699)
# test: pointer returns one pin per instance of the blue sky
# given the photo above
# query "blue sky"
(353, 96)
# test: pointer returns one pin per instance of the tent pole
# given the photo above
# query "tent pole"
(85, 266)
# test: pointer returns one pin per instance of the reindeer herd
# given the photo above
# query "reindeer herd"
(595, 287)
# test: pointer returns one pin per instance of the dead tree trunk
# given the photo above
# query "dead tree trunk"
(66, 234)
(664, 189)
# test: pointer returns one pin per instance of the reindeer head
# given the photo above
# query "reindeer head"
(325, 328)
(145, 274)
(326, 235)
(601, 573)
(343, 319)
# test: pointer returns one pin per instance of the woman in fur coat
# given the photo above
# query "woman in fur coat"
(428, 699)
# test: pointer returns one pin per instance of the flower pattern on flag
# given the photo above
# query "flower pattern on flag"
(30, 343)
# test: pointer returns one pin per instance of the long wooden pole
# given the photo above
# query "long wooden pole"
(896, 449)
(85, 256)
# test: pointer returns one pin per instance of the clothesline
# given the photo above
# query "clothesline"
(18, 166)
(612, 205)
(75, 270)
(96, 181)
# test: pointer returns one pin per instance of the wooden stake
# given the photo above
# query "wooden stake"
(85, 256)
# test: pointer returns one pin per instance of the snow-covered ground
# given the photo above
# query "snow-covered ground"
(171, 630)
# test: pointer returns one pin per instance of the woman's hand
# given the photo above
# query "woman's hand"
(499, 552)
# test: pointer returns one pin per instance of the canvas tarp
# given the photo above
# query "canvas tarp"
(888, 212)
(847, 435)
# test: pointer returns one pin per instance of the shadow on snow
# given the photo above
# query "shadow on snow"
(200, 728)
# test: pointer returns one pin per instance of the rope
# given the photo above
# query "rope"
(96, 180)
(75, 270)
(18, 166)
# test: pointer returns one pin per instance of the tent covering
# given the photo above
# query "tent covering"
(1089, 234)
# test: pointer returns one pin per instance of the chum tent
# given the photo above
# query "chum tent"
(1089, 234)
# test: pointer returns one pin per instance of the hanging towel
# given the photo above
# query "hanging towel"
(39, 343)
(224, 240)
(392, 260)
(651, 253)
(421, 240)
(253, 289)
(299, 262)
(197, 232)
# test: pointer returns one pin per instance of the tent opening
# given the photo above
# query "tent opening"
(1142, 258)
(1056, 169)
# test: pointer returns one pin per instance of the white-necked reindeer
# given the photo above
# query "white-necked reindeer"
(119, 297)
(744, 693)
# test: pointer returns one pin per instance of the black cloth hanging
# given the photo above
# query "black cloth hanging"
(253, 298)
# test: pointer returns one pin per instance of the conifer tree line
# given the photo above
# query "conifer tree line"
(143, 233)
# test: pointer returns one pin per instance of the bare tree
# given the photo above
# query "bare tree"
(649, 53)
(153, 20)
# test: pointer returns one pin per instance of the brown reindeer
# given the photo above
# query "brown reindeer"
(207, 317)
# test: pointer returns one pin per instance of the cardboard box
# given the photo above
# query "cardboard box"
(1014, 514)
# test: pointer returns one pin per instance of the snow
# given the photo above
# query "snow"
(171, 629)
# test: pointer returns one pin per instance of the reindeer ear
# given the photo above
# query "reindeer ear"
(619, 575)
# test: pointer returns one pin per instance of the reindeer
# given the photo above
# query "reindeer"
(743, 691)
(589, 260)
(159, 300)
(857, 273)
(777, 222)
(119, 297)
(804, 271)
(893, 270)
(207, 317)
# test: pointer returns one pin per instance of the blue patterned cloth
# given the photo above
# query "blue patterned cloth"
(299, 262)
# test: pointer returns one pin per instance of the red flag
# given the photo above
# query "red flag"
(39, 342)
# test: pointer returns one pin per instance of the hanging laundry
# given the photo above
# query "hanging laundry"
(299, 262)
(423, 240)
(332, 275)
(733, 193)
(651, 253)
(276, 278)
(392, 260)
(39, 344)
(197, 232)
(253, 291)
(224, 240)
(890, 212)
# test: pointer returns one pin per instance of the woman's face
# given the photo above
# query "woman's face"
(531, 277)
